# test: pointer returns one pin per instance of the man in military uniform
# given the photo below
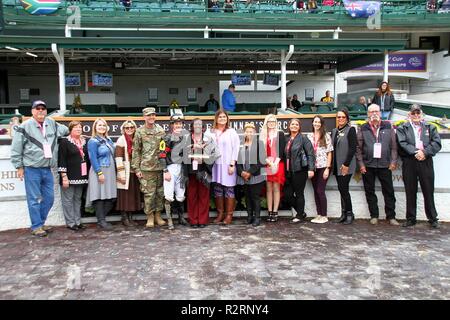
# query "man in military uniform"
(145, 162)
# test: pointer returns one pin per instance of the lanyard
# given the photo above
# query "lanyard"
(376, 132)
(42, 129)
(382, 98)
(288, 149)
(80, 148)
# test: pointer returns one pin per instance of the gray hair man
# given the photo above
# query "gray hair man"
(376, 154)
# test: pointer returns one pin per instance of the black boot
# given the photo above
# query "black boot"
(125, 220)
(180, 211)
(342, 218)
(349, 217)
(257, 218)
(270, 216)
(100, 212)
(250, 217)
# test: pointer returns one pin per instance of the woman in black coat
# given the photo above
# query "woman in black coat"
(344, 161)
(300, 165)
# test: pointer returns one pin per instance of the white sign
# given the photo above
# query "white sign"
(10, 185)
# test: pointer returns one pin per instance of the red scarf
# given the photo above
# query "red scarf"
(129, 141)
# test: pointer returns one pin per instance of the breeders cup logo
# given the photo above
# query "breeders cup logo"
(40, 7)
(415, 61)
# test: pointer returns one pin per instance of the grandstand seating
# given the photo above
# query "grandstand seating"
(393, 12)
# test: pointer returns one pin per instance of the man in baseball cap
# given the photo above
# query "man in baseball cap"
(38, 103)
(148, 111)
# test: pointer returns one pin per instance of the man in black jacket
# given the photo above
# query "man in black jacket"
(418, 142)
(376, 153)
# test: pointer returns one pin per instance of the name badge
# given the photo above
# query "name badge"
(47, 150)
(194, 165)
(83, 169)
(419, 145)
(377, 150)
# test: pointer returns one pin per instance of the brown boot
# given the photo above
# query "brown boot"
(229, 209)
(159, 221)
(220, 209)
(130, 219)
(150, 220)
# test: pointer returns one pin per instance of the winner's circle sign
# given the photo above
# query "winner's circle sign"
(40, 7)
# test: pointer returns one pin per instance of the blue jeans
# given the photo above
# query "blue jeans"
(40, 196)
(385, 115)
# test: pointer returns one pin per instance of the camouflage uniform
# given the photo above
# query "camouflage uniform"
(146, 144)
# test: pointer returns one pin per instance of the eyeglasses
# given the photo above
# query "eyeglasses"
(128, 128)
(416, 113)
(41, 109)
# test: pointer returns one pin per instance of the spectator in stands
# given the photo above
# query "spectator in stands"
(376, 155)
(362, 104)
(251, 161)
(228, 99)
(224, 169)
(127, 4)
(418, 143)
(299, 5)
(102, 189)
(312, 6)
(344, 161)
(212, 104)
(34, 152)
(213, 6)
(385, 99)
(296, 105)
(129, 198)
(300, 164)
(323, 151)
(228, 6)
(73, 172)
(274, 142)
(327, 97)
(329, 3)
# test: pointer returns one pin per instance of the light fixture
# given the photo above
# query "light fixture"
(31, 54)
(11, 48)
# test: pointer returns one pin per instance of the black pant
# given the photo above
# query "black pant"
(387, 188)
(294, 191)
(253, 199)
(343, 187)
(422, 171)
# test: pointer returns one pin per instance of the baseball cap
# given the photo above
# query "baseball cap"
(176, 117)
(415, 107)
(38, 103)
(148, 111)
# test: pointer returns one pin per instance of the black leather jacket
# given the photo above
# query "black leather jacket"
(301, 154)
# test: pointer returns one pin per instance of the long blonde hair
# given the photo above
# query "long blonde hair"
(94, 131)
(264, 129)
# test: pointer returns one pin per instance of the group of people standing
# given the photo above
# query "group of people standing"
(147, 165)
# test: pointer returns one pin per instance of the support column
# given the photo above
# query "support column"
(284, 59)
(255, 79)
(283, 80)
(386, 66)
(335, 89)
(59, 55)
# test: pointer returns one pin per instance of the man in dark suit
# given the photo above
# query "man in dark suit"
(418, 143)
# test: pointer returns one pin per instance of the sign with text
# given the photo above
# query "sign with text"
(10, 184)
(400, 62)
